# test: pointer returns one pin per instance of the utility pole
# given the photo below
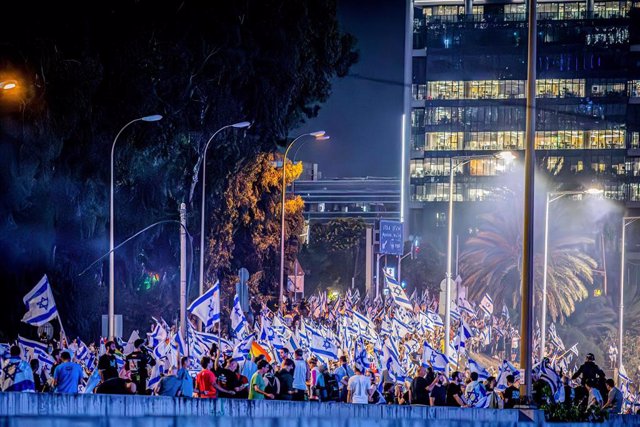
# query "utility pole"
(526, 320)
(183, 269)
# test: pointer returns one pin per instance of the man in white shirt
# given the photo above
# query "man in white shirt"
(358, 387)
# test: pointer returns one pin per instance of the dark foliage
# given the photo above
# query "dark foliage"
(87, 68)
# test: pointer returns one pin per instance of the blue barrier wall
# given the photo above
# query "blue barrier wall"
(53, 410)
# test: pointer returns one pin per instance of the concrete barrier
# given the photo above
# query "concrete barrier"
(57, 410)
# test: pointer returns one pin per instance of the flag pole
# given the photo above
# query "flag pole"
(62, 332)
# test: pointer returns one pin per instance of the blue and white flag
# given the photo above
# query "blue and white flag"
(391, 360)
(506, 369)
(464, 333)
(40, 304)
(474, 366)
(322, 346)
(435, 318)
(433, 358)
(486, 304)
(505, 311)
(238, 320)
(361, 357)
(31, 349)
(550, 376)
(207, 306)
(397, 293)
(157, 335)
(242, 348)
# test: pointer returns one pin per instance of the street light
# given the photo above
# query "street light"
(295, 154)
(319, 136)
(8, 84)
(111, 313)
(508, 157)
(552, 197)
(625, 221)
(239, 125)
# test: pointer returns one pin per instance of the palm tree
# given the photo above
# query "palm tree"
(491, 260)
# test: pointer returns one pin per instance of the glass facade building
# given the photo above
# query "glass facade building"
(468, 87)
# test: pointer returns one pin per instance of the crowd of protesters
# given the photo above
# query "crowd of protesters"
(296, 379)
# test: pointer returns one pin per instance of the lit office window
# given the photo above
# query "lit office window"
(486, 167)
(607, 138)
(611, 9)
(608, 88)
(444, 141)
(445, 90)
(416, 168)
(635, 140)
(554, 164)
(634, 88)
(504, 140)
(608, 36)
(559, 140)
(437, 166)
(634, 192)
(633, 167)
(559, 88)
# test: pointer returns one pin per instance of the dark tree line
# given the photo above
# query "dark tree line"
(86, 69)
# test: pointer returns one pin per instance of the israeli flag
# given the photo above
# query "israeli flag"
(242, 348)
(506, 369)
(238, 320)
(433, 358)
(361, 357)
(31, 349)
(398, 294)
(40, 304)
(465, 307)
(207, 306)
(391, 360)
(435, 318)
(322, 346)
(550, 376)
(474, 366)
(487, 304)
(157, 335)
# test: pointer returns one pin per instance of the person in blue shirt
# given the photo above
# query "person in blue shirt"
(67, 375)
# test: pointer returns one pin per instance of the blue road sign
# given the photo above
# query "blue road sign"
(391, 237)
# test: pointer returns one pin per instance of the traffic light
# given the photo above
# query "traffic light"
(415, 248)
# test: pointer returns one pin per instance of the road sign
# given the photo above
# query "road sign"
(391, 242)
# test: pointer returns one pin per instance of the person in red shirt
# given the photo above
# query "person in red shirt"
(206, 381)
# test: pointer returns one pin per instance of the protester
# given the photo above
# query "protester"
(511, 394)
(343, 373)
(206, 383)
(170, 385)
(68, 375)
(358, 387)
(300, 376)
(108, 364)
(454, 391)
(285, 379)
(419, 391)
(186, 387)
(589, 371)
(16, 373)
(595, 398)
(438, 391)
(614, 398)
(138, 362)
(257, 385)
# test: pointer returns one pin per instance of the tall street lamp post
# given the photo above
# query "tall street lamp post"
(111, 313)
(319, 136)
(239, 125)
(552, 197)
(455, 163)
(627, 220)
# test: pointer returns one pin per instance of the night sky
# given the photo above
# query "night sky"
(363, 116)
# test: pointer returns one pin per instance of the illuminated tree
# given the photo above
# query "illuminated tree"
(491, 261)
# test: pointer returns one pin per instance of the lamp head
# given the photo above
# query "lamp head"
(153, 118)
(594, 190)
(241, 125)
(322, 138)
(317, 133)
(8, 84)
(507, 156)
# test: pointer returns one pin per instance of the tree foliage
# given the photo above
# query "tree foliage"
(491, 262)
(85, 70)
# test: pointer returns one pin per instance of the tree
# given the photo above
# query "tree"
(87, 69)
(490, 263)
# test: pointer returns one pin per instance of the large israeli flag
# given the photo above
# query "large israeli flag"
(40, 304)
(238, 320)
(433, 358)
(398, 294)
(474, 366)
(207, 306)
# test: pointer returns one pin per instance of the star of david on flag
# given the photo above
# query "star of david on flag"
(40, 304)
(398, 294)
(207, 306)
